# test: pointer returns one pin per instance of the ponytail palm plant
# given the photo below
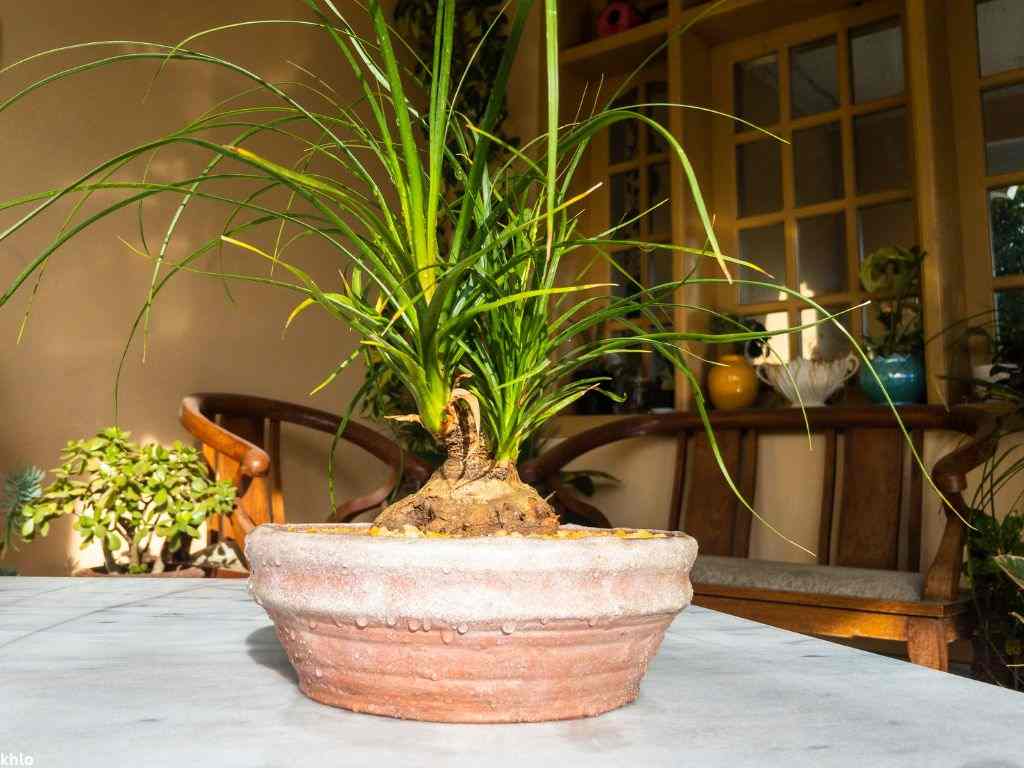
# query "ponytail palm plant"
(457, 293)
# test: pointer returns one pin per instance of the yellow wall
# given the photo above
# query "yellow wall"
(57, 384)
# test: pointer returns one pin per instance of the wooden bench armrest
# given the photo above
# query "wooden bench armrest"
(950, 471)
(942, 579)
(252, 460)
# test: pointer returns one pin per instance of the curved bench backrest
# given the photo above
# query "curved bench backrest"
(871, 490)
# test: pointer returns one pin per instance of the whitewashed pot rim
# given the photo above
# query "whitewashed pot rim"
(471, 579)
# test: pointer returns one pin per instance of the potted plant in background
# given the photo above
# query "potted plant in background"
(995, 545)
(467, 592)
(1004, 339)
(126, 497)
(995, 552)
(893, 275)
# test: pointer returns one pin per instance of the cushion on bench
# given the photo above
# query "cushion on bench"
(901, 586)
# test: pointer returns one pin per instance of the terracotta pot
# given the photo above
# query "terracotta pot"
(733, 384)
(486, 630)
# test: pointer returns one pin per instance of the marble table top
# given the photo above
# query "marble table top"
(162, 672)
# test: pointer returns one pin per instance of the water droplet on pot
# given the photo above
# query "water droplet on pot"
(414, 625)
(446, 570)
(508, 627)
(592, 621)
(362, 622)
(447, 636)
(312, 624)
(391, 621)
(463, 628)
(319, 672)
(544, 622)
(426, 625)
(277, 561)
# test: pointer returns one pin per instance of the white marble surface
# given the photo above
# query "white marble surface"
(155, 672)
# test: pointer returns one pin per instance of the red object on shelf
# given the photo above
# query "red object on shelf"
(617, 17)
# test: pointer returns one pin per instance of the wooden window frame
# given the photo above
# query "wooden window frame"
(781, 41)
(602, 170)
(969, 85)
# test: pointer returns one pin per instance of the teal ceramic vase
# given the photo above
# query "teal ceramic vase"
(902, 376)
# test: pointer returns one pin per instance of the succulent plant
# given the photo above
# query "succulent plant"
(19, 490)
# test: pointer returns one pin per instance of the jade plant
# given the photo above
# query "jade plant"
(126, 497)
(470, 297)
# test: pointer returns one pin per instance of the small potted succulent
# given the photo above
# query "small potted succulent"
(127, 498)
(893, 276)
(19, 489)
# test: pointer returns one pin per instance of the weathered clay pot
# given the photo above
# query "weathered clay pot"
(487, 630)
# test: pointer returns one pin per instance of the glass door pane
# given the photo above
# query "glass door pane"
(814, 77)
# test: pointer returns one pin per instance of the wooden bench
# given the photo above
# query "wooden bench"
(868, 511)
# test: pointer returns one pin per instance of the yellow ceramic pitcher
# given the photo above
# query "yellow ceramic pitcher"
(733, 384)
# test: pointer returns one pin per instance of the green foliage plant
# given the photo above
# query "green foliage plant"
(893, 274)
(459, 297)
(995, 554)
(122, 495)
(479, 39)
(995, 548)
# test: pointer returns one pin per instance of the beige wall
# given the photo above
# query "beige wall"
(57, 384)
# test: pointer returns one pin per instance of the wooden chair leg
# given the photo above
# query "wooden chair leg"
(927, 644)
